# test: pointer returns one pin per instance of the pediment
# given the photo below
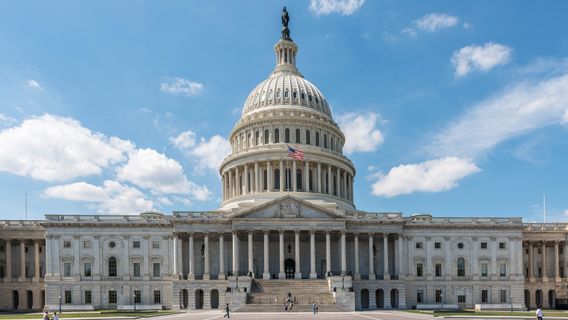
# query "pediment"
(288, 207)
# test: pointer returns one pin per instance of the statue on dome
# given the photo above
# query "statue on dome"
(285, 20)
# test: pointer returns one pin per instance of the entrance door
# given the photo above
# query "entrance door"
(289, 268)
(198, 299)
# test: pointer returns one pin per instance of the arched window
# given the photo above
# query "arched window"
(286, 94)
(287, 135)
(276, 136)
(266, 136)
(325, 141)
(303, 96)
(276, 179)
(298, 179)
(332, 143)
(295, 95)
(298, 136)
(288, 179)
(112, 267)
(310, 97)
(264, 180)
(257, 138)
(308, 137)
(317, 139)
(278, 94)
(461, 267)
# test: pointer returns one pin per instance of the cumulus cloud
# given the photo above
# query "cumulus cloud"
(184, 141)
(435, 21)
(517, 110)
(428, 176)
(52, 148)
(34, 85)
(146, 168)
(207, 153)
(565, 117)
(361, 134)
(343, 7)
(6, 121)
(484, 58)
(111, 197)
(181, 86)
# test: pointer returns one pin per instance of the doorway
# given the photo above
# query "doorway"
(198, 299)
(289, 268)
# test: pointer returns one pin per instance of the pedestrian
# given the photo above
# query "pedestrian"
(539, 313)
(55, 316)
(45, 316)
(227, 315)
(314, 307)
(285, 307)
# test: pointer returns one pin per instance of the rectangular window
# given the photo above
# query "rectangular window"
(66, 244)
(438, 296)
(437, 245)
(1, 248)
(484, 245)
(418, 245)
(137, 296)
(87, 269)
(156, 268)
(502, 245)
(503, 296)
(419, 296)
(157, 296)
(156, 244)
(461, 298)
(67, 269)
(88, 297)
(136, 244)
(561, 250)
(136, 269)
(2, 272)
(112, 296)
(438, 269)
(484, 295)
(419, 270)
(503, 270)
(68, 298)
(87, 244)
(484, 268)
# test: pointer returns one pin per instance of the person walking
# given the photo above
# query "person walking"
(55, 316)
(227, 311)
(314, 306)
(45, 316)
(539, 313)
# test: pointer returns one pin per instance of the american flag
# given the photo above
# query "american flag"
(295, 153)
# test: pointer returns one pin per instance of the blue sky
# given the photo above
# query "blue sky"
(122, 106)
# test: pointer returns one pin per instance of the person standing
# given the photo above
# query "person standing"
(55, 316)
(539, 313)
(45, 316)
(227, 310)
(314, 307)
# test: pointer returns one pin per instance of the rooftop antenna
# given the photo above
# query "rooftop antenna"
(544, 206)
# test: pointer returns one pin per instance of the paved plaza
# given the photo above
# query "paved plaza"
(373, 315)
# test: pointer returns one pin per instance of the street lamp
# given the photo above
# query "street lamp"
(59, 303)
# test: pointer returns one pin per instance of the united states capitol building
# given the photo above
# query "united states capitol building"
(284, 226)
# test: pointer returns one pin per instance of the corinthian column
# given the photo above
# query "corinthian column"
(298, 273)
(221, 257)
(206, 275)
(371, 258)
(281, 274)
(266, 274)
(281, 176)
(386, 256)
(343, 254)
(356, 251)
(313, 274)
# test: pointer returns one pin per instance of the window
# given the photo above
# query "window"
(66, 244)
(298, 136)
(156, 269)
(2, 272)
(325, 141)
(136, 244)
(437, 245)
(286, 94)
(276, 136)
(438, 296)
(561, 250)
(156, 244)
(438, 269)
(460, 245)
(484, 296)
(298, 179)
(461, 267)
(317, 139)
(502, 245)
(266, 136)
(484, 245)
(87, 244)
(419, 296)
(503, 296)
(136, 269)
(418, 245)
(1, 248)
(68, 297)
(87, 269)
(308, 137)
(295, 95)
(137, 296)
(112, 244)
(112, 296)
(310, 97)
(67, 269)
(419, 270)
(303, 96)
(503, 270)
(157, 296)
(88, 299)
(287, 135)
(112, 267)
(257, 138)
(332, 143)
(461, 298)
(484, 268)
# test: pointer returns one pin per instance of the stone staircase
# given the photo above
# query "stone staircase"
(305, 292)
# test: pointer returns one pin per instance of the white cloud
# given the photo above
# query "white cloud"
(361, 134)
(428, 176)
(566, 212)
(207, 153)
(184, 141)
(146, 168)
(6, 121)
(435, 21)
(565, 117)
(410, 32)
(52, 148)
(483, 58)
(34, 85)
(111, 197)
(517, 110)
(182, 86)
(343, 7)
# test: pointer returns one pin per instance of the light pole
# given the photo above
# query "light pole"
(59, 303)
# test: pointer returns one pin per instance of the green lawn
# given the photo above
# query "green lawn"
(90, 314)
(551, 313)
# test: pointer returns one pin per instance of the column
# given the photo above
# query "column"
(400, 257)
(298, 273)
(8, 276)
(230, 191)
(36, 261)
(191, 274)
(544, 275)
(256, 180)
(531, 261)
(145, 261)
(448, 264)
(250, 255)
(338, 182)
(206, 275)
(556, 262)
(307, 176)
(371, 258)
(266, 274)
(294, 177)
(175, 274)
(48, 255)
(282, 176)
(125, 258)
(386, 272)
(344, 185)
(269, 177)
(356, 244)
(474, 258)
(493, 258)
(329, 180)
(235, 255)
(77, 257)
(327, 253)
(512, 272)
(238, 186)
(319, 178)
(221, 257)
(281, 274)
(343, 254)
(246, 180)
(313, 274)
(22, 276)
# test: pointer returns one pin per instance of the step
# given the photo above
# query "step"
(302, 298)
(296, 308)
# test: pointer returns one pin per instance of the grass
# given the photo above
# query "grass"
(88, 314)
(547, 313)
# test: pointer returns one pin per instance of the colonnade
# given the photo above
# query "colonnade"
(533, 246)
(21, 246)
